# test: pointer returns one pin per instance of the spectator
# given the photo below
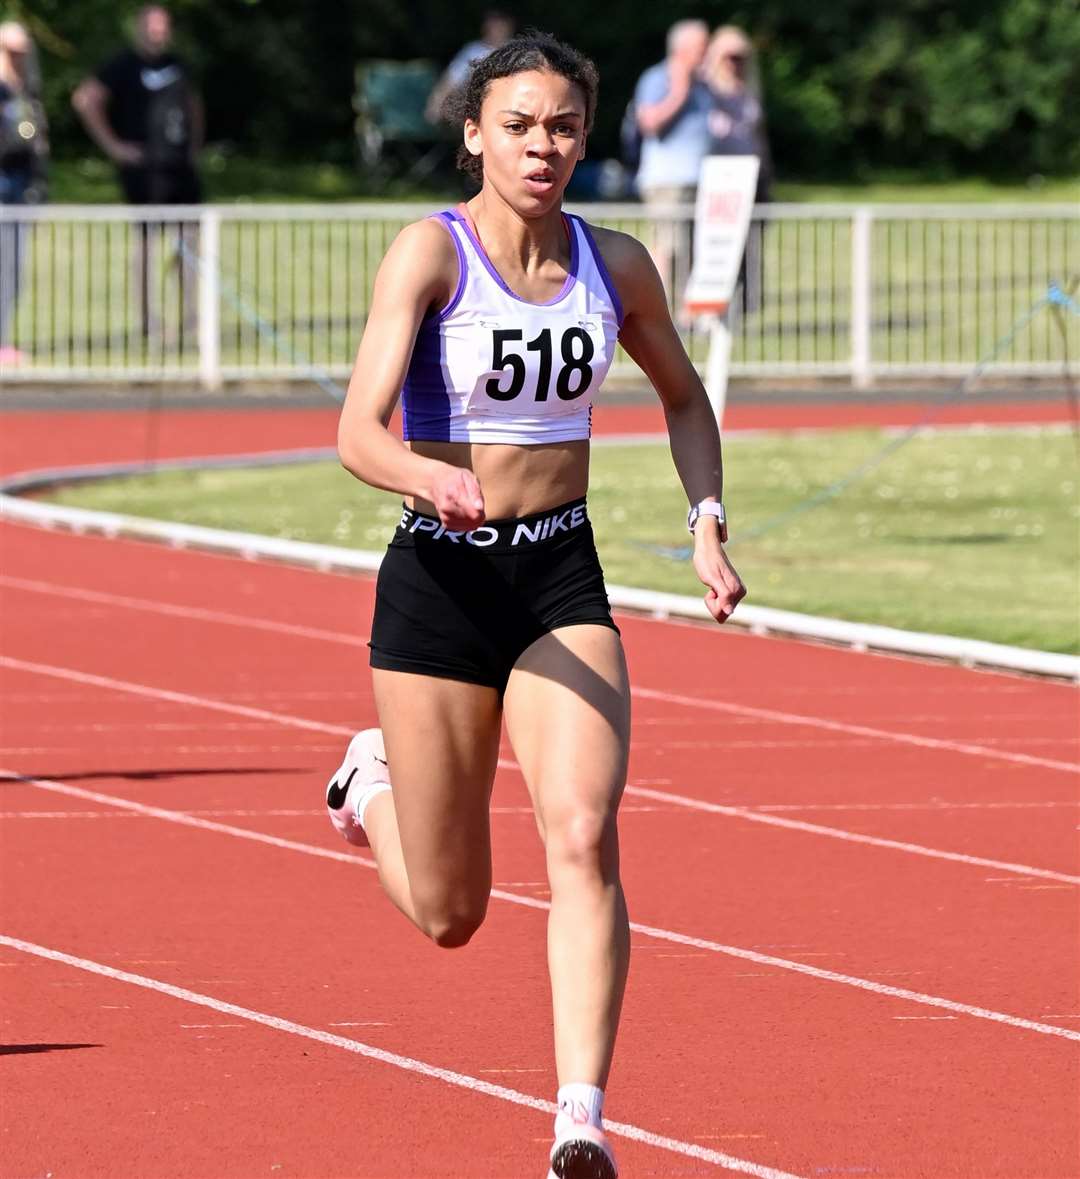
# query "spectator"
(736, 121)
(737, 128)
(143, 111)
(24, 155)
(672, 104)
(497, 28)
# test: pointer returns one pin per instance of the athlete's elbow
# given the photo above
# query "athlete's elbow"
(352, 453)
(349, 459)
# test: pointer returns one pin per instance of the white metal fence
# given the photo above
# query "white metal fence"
(231, 292)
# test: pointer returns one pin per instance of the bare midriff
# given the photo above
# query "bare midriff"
(516, 480)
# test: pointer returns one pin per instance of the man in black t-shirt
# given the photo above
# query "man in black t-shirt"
(144, 113)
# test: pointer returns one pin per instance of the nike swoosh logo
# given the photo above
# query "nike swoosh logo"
(159, 79)
(335, 796)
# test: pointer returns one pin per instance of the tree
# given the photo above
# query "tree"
(978, 85)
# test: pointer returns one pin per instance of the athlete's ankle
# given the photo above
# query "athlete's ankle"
(377, 817)
(579, 1104)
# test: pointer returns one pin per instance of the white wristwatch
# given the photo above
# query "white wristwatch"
(707, 507)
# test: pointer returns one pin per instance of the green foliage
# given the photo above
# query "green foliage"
(990, 87)
(851, 86)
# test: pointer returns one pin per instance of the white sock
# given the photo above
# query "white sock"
(364, 801)
(579, 1104)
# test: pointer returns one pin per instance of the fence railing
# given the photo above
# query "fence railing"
(218, 293)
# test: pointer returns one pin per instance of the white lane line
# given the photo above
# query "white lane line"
(655, 932)
(104, 681)
(792, 718)
(724, 741)
(164, 747)
(99, 597)
(407, 1063)
(270, 812)
(738, 812)
(644, 693)
(939, 805)
(504, 763)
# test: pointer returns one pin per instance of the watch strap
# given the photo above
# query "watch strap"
(707, 507)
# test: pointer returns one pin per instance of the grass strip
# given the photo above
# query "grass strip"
(973, 533)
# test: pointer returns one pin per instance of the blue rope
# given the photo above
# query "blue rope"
(318, 375)
(1059, 298)
(1054, 296)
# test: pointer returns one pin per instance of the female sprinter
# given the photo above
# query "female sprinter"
(496, 323)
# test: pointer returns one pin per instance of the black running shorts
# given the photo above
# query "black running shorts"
(464, 606)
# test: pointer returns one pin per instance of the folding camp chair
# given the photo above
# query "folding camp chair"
(392, 133)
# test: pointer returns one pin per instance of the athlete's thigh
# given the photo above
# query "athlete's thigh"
(567, 709)
(442, 747)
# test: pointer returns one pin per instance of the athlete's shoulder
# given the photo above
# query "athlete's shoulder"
(428, 240)
(627, 260)
(422, 259)
(616, 246)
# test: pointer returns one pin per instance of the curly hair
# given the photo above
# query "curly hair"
(531, 50)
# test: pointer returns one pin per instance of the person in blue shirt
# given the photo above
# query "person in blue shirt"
(672, 105)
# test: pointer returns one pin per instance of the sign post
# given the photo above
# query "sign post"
(725, 200)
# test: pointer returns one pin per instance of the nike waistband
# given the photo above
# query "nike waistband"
(497, 535)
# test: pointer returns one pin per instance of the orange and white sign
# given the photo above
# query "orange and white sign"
(725, 200)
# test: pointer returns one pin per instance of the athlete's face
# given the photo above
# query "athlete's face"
(531, 133)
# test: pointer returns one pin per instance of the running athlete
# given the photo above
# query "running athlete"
(495, 323)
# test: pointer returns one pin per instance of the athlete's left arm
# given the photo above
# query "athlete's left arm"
(650, 338)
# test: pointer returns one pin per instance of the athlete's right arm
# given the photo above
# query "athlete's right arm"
(418, 274)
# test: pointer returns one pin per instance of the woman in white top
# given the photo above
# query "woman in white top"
(496, 322)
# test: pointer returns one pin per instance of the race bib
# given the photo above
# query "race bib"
(539, 371)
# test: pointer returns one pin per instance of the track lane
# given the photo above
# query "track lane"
(141, 900)
(224, 1097)
(531, 893)
(865, 1097)
(72, 437)
(288, 662)
(756, 756)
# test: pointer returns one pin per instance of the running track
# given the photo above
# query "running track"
(853, 880)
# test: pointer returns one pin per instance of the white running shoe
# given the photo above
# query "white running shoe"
(581, 1152)
(361, 776)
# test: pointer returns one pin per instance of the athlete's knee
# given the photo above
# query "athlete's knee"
(583, 838)
(449, 922)
(450, 931)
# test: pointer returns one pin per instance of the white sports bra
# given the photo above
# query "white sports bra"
(492, 367)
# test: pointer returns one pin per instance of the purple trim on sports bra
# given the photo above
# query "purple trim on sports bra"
(447, 219)
(605, 274)
(425, 397)
(571, 274)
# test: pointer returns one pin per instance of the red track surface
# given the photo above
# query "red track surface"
(812, 1074)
